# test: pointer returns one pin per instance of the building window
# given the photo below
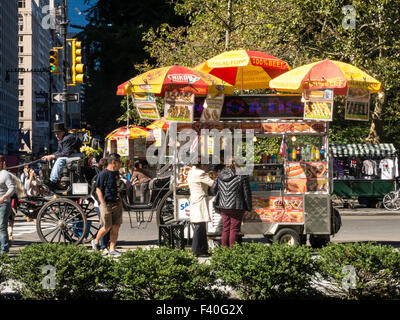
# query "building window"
(21, 60)
(21, 27)
(21, 103)
(21, 124)
(21, 114)
(21, 38)
(21, 82)
(21, 3)
(21, 49)
(21, 92)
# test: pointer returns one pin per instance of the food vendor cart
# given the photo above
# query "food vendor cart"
(291, 190)
(363, 172)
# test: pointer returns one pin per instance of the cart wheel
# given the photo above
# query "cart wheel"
(287, 236)
(318, 241)
(61, 220)
(165, 209)
(93, 221)
(391, 201)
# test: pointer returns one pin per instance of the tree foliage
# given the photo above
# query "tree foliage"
(114, 52)
(299, 32)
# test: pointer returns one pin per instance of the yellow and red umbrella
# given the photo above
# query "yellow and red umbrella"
(130, 132)
(175, 78)
(158, 124)
(244, 69)
(326, 74)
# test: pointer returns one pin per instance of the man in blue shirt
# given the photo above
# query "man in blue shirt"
(68, 144)
(107, 191)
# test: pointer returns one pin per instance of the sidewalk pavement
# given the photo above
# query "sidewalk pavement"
(364, 211)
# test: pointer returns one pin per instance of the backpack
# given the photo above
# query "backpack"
(93, 187)
(20, 191)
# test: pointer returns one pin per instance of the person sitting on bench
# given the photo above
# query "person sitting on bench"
(68, 144)
(139, 176)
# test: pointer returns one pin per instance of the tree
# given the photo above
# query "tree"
(114, 51)
(299, 32)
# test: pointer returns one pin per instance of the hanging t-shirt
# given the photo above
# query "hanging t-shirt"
(370, 168)
(388, 168)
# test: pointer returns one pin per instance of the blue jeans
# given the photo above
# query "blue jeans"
(57, 168)
(106, 239)
(5, 208)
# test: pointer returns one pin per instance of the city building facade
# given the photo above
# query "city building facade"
(8, 77)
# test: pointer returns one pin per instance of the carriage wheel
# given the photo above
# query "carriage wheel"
(92, 218)
(63, 221)
(165, 209)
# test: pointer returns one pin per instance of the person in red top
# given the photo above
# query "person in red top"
(139, 176)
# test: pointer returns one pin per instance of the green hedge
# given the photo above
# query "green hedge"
(256, 271)
(162, 274)
(360, 270)
(250, 271)
(78, 273)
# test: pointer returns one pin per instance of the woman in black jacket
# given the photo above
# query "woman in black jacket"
(233, 199)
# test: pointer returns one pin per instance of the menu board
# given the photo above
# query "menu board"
(276, 209)
(357, 104)
(318, 110)
(179, 106)
(279, 106)
(212, 108)
(139, 148)
(146, 106)
(305, 177)
(318, 104)
(123, 147)
(311, 127)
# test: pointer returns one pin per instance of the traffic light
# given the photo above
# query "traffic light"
(53, 60)
(77, 65)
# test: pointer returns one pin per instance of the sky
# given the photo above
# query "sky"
(74, 8)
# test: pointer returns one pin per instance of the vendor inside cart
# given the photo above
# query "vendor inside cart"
(139, 177)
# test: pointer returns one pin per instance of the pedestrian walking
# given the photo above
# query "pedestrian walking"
(232, 200)
(104, 241)
(7, 189)
(107, 190)
(199, 183)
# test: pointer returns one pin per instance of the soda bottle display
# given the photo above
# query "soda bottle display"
(322, 153)
(294, 154)
(317, 154)
(298, 153)
(307, 152)
(312, 158)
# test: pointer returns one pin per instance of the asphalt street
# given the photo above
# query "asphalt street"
(360, 224)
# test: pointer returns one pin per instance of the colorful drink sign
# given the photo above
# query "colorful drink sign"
(357, 104)
(179, 106)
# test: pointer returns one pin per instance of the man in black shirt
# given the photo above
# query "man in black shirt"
(68, 144)
(107, 190)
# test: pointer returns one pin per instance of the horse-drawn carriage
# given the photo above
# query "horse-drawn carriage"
(68, 215)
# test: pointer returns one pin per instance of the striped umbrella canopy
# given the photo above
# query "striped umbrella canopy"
(245, 69)
(175, 78)
(366, 149)
(158, 124)
(130, 132)
(326, 74)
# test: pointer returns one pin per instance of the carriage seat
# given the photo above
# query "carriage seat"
(75, 157)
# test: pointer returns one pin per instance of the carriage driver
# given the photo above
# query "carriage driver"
(68, 144)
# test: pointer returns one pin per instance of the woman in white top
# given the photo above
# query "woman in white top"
(33, 184)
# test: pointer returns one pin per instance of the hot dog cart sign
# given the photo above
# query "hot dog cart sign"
(212, 108)
(307, 177)
(318, 105)
(179, 106)
(146, 106)
(276, 209)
